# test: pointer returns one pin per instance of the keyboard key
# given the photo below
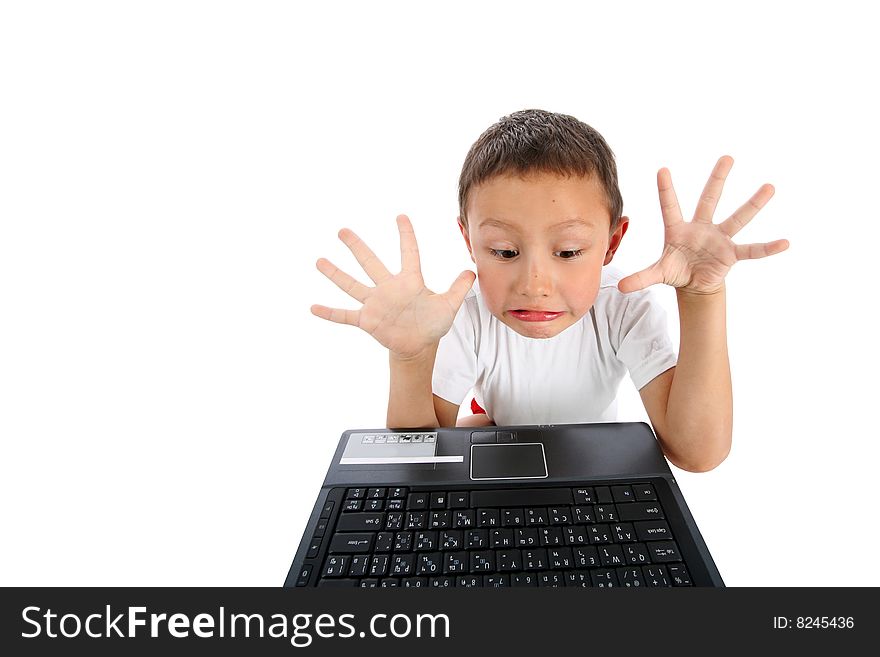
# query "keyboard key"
(403, 565)
(624, 533)
(379, 565)
(603, 495)
(304, 574)
(359, 564)
(630, 577)
(604, 578)
(500, 538)
(451, 539)
(636, 554)
(549, 578)
(352, 522)
(352, 505)
(476, 539)
(455, 563)
(469, 581)
(442, 582)
(606, 513)
(644, 492)
(496, 581)
(622, 494)
(398, 493)
(560, 558)
(655, 576)
(579, 578)
(403, 541)
(438, 500)
(426, 541)
(507, 560)
(639, 511)
(560, 515)
(458, 500)
(536, 516)
(584, 496)
(524, 579)
(376, 493)
(611, 555)
(355, 493)
(679, 575)
(482, 561)
(414, 582)
(384, 542)
(512, 518)
(417, 501)
(652, 530)
(535, 559)
(429, 564)
(663, 551)
(335, 566)
(348, 543)
(585, 557)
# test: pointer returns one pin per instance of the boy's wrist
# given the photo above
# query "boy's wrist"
(686, 294)
(427, 355)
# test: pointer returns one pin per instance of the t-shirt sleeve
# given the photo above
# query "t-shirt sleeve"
(455, 368)
(644, 344)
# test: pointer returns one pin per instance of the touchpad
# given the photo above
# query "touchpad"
(508, 461)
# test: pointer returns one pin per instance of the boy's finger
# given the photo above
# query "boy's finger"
(409, 248)
(338, 315)
(712, 191)
(459, 288)
(735, 222)
(365, 256)
(343, 281)
(640, 280)
(668, 200)
(754, 251)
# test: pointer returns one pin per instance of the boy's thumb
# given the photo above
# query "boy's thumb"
(460, 287)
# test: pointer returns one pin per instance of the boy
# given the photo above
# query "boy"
(547, 334)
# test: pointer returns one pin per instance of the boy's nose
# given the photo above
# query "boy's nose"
(536, 280)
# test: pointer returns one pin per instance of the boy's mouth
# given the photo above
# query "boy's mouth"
(534, 315)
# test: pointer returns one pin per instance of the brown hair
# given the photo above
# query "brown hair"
(539, 141)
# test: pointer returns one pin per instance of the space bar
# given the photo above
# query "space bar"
(521, 497)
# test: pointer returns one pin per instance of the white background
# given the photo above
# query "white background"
(170, 172)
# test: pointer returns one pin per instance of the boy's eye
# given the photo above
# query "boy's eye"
(568, 255)
(504, 254)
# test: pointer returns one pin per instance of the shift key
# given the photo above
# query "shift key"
(353, 522)
(639, 511)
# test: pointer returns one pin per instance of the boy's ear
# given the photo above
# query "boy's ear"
(615, 239)
(467, 238)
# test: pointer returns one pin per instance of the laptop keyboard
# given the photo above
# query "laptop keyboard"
(589, 536)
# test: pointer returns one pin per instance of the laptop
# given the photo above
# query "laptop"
(585, 505)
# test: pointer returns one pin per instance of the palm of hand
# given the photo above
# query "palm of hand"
(405, 316)
(399, 312)
(698, 254)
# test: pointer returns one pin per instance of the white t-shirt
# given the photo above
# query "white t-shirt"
(570, 378)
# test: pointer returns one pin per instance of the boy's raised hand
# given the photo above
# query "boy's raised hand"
(698, 254)
(400, 312)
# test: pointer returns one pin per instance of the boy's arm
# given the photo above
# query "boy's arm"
(691, 405)
(411, 401)
(405, 317)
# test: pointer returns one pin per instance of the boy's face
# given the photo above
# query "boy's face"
(539, 244)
